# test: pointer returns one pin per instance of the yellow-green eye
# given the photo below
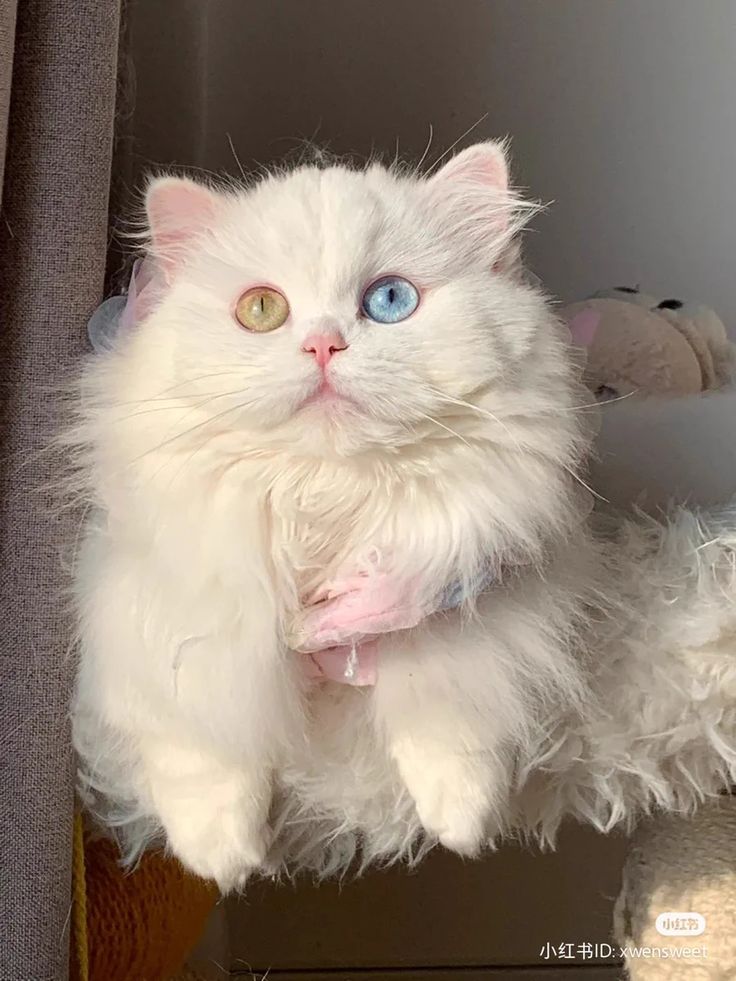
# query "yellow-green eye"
(261, 309)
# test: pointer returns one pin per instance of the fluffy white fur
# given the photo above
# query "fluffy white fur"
(590, 679)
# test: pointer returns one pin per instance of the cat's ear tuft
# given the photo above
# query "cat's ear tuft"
(483, 164)
(179, 210)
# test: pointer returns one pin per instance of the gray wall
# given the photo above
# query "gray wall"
(622, 112)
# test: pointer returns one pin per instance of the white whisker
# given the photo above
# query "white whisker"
(460, 138)
(443, 426)
(237, 159)
(481, 410)
(418, 168)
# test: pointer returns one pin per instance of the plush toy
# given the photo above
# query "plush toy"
(635, 343)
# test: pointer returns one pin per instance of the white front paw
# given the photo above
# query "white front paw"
(215, 824)
(225, 844)
(451, 797)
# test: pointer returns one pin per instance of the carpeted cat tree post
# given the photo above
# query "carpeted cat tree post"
(132, 926)
(686, 865)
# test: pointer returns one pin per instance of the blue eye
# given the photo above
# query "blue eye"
(390, 299)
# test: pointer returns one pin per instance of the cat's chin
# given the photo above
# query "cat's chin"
(336, 426)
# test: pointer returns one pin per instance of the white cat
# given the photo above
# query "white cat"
(342, 403)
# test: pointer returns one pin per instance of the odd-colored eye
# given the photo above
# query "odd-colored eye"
(261, 309)
(390, 299)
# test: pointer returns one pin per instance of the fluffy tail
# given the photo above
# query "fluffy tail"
(660, 727)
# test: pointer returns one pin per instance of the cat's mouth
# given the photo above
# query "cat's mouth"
(326, 395)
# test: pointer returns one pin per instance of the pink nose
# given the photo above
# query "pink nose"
(323, 346)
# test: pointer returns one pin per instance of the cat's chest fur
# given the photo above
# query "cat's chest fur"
(336, 520)
(321, 522)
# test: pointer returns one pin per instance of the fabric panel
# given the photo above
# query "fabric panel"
(7, 43)
(53, 239)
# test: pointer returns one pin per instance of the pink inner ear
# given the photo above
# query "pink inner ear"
(584, 326)
(178, 211)
(484, 163)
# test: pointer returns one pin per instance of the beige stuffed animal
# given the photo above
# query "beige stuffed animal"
(636, 344)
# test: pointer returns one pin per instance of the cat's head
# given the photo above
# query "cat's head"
(336, 310)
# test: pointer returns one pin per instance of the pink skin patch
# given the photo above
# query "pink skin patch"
(359, 607)
(584, 326)
(346, 665)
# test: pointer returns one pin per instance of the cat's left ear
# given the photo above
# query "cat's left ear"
(179, 212)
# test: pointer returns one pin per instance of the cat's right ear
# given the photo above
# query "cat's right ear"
(480, 208)
(473, 188)
(483, 165)
(179, 211)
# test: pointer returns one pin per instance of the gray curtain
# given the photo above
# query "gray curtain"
(57, 97)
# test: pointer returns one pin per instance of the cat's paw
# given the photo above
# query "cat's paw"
(223, 845)
(357, 607)
(216, 827)
(451, 798)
